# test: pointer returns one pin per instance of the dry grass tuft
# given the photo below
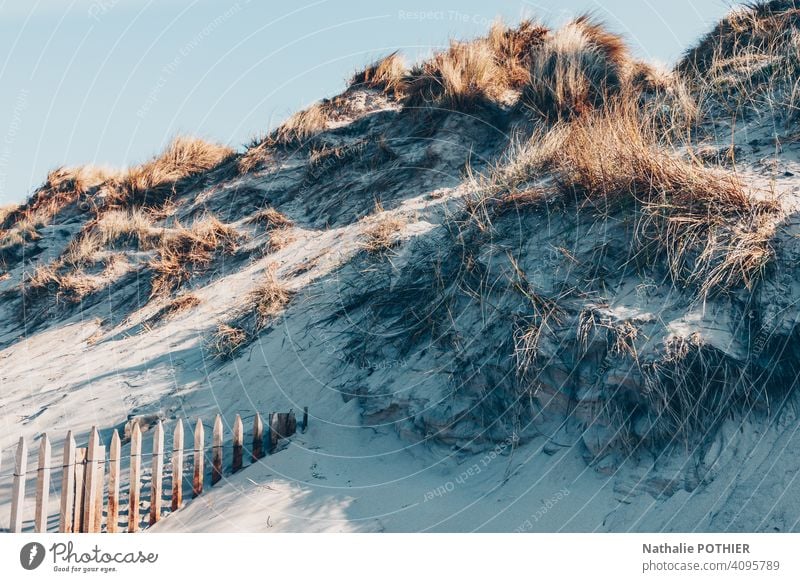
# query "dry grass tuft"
(154, 183)
(279, 227)
(710, 232)
(469, 74)
(228, 340)
(182, 302)
(381, 231)
(269, 298)
(128, 226)
(257, 154)
(750, 61)
(263, 304)
(46, 280)
(280, 238)
(82, 250)
(63, 188)
(294, 132)
(693, 387)
(713, 235)
(513, 48)
(529, 331)
(460, 78)
(6, 211)
(184, 249)
(270, 219)
(577, 70)
(664, 98)
(387, 75)
(25, 229)
(759, 26)
(301, 126)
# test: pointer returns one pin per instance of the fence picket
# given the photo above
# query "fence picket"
(258, 439)
(177, 466)
(216, 451)
(90, 476)
(99, 469)
(42, 485)
(305, 418)
(273, 431)
(112, 519)
(238, 444)
(67, 484)
(136, 472)
(283, 423)
(18, 491)
(157, 482)
(199, 458)
(80, 489)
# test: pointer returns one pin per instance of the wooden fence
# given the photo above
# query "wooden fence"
(84, 498)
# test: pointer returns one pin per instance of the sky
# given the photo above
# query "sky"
(110, 82)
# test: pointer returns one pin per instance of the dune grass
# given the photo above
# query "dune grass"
(750, 61)
(154, 182)
(576, 70)
(182, 250)
(387, 75)
(702, 223)
(470, 74)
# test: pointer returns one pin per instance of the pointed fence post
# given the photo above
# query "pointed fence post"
(67, 484)
(273, 431)
(18, 490)
(80, 489)
(157, 483)
(99, 480)
(136, 474)
(177, 466)
(305, 418)
(90, 475)
(112, 519)
(199, 458)
(238, 444)
(42, 485)
(283, 424)
(216, 451)
(258, 438)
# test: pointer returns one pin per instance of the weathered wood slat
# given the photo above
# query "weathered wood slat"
(114, 456)
(99, 469)
(67, 485)
(177, 466)
(80, 489)
(238, 445)
(305, 418)
(291, 424)
(199, 458)
(283, 425)
(258, 439)
(90, 495)
(216, 451)
(18, 489)
(273, 431)
(135, 479)
(42, 485)
(157, 482)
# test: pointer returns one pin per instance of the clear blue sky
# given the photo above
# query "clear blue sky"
(111, 81)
